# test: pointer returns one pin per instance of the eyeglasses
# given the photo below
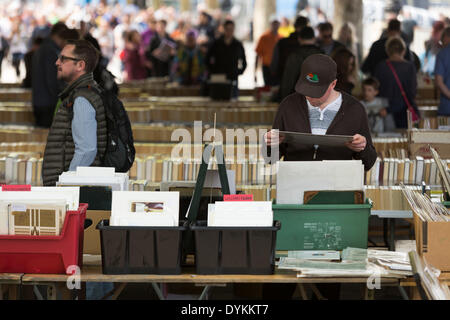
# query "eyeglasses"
(63, 58)
(326, 36)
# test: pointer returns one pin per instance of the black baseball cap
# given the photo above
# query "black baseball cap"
(318, 71)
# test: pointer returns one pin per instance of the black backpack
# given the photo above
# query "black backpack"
(120, 151)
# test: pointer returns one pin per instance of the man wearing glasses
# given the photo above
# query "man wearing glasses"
(325, 39)
(78, 135)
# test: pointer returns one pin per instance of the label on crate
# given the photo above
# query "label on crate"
(16, 187)
(237, 197)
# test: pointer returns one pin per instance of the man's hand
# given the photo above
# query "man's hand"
(358, 143)
(272, 138)
(383, 113)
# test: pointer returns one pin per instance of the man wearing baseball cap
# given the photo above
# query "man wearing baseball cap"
(316, 107)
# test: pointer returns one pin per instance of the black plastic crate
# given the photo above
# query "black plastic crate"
(141, 250)
(234, 250)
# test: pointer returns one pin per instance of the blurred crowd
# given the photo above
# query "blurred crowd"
(190, 48)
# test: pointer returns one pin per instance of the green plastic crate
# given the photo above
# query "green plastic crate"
(322, 226)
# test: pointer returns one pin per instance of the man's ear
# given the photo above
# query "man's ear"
(333, 84)
(82, 65)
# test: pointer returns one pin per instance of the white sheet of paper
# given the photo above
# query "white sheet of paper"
(122, 202)
(296, 177)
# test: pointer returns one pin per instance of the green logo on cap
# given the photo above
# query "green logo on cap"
(312, 77)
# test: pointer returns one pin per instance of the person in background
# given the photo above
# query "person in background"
(377, 51)
(285, 47)
(189, 67)
(28, 59)
(205, 27)
(41, 30)
(325, 39)
(347, 36)
(432, 47)
(105, 37)
(442, 74)
(286, 28)
(17, 45)
(346, 69)
(227, 56)
(387, 72)
(376, 107)
(134, 60)
(45, 85)
(307, 47)
(264, 51)
(161, 51)
(147, 35)
(408, 27)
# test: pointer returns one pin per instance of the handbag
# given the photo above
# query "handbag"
(415, 117)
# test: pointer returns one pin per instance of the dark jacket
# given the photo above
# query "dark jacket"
(160, 68)
(336, 45)
(281, 53)
(293, 70)
(377, 54)
(45, 85)
(389, 89)
(60, 146)
(351, 119)
(226, 59)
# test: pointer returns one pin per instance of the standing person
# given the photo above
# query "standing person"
(264, 51)
(285, 47)
(286, 28)
(398, 82)
(134, 61)
(78, 135)
(227, 56)
(442, 74)
(347, 36)
(28, 59)
(377, 51)
(161, 51)
(316, 107)
(376, 107)
(325, 39)
(45, 85)
(189, 64)
(205, 27)
(41, 30)
(17, 45)
(307, 47)
(432, 47)
(346, 70)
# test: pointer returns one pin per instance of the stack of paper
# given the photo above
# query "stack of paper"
(40, 211)
(240, 214)
(145, 208)
(95, 176)
(355, 262)
(296, 177)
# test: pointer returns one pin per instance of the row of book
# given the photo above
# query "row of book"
(389, 197)
(259, 115)
(390, 171)
(384, 198)
(155, 170)
(19, 168)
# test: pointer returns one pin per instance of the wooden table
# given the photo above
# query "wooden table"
(10, 282)
(93, 273)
